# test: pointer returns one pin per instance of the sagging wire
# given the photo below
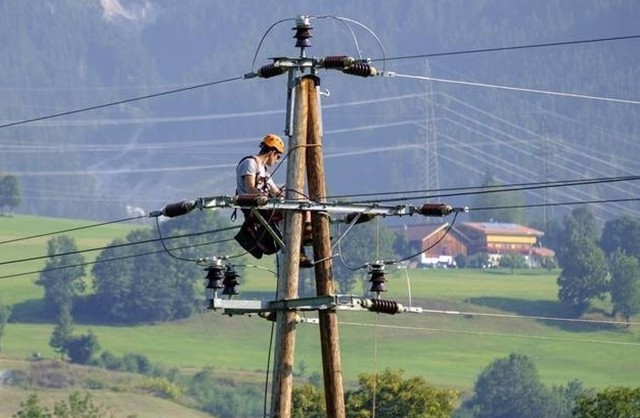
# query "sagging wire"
(345, 21)
(264, 36)
(390, 262)
(339, 245)
(341, 19)
(165, 247)
(446, 232)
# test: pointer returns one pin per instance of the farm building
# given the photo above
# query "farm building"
(441, 243)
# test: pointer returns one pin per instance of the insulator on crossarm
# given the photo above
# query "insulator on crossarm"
(270, 70)
(303, 32)
(251, 200)
(337, 62)
(215, 277)
(435, 209)
(378, 278)
(179, 208)
(382, 306)
(361, 69)
(230, 281)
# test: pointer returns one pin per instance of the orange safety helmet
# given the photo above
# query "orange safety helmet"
(273, 141)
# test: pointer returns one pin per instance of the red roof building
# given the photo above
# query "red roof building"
(441, 241)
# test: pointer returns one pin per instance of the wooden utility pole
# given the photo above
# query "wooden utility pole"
(289, 271)
(329, 339)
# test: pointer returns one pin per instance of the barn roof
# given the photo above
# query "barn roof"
(497, 228)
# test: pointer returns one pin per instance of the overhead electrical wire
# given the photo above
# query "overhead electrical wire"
(494, 334)
(517, 187)
(524, 206)
(538, 205)
(126, 244)
(477, 189)
(508, 48)
(512, 88)
(537, 318)
(125, 257)
(64, 231)
(119, 102)
(385, 59)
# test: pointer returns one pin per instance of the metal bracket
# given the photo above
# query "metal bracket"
(317, 303)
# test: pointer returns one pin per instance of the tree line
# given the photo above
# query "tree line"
(598, 262)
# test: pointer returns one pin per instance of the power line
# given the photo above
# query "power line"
(494, 334)
(538, 318)
(507, 187)
(133, 99)
(539, 205)
(524, 206)
(507, 48)
(125, 257)
(127, 244)
(71, 229)
(510, 188)
(520, 89)
(420, 56)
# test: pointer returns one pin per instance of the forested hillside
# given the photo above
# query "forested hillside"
(61, 55)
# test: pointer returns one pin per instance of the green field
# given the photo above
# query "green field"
(447, 349)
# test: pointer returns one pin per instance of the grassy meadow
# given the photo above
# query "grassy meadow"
(448, 349)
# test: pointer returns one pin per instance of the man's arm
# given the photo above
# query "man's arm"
(250, 184)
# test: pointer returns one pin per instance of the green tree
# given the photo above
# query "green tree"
(396, 396)
(625, 284)
(584, 273)
(62, 332)
(63, 274)
(9, 193)
(5, 314)
(490, 200)
(614, 402)
(307, 402)
(621, 234)
(155, 286)
(82, 348)
(510, 388)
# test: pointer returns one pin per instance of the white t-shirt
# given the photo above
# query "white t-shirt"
(250, 166)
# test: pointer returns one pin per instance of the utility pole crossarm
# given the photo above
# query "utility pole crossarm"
(318, 303)
(248, 202)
